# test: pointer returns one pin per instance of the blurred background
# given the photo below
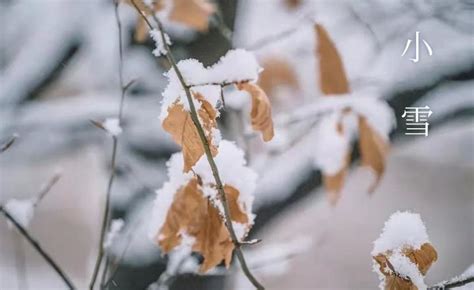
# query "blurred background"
(59, 70)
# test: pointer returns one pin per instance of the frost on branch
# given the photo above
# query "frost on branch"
(159, 45)
(187, 206)
(403, 253)
(112, 126)
(115, 228)
(371, 119)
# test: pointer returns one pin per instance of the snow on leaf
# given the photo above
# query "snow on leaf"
(375, 119)
(183, 131)
(192, 214)
(373, 150)
(192, 13)
(333, 80)
(235, 66)
(261, 113)
(403, 254)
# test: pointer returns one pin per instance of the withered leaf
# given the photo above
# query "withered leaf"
(277, 72)
(333, 184)
(193, 13)
(333, 80)
(373, 150)
(193, 214)
(423, 258)
(261, 113)
(183, 131)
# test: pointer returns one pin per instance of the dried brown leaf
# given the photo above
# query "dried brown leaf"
(194, 214)
(333, 80)
(193, 13)
(261, 113)
(183, 131)
(292, 4)
(373, 150)
(423, 258)
(277, 72)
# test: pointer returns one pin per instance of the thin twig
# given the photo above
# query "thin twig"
(38, 248)
(281, 35)
(207, 150)
(4, 147)
(46, 188)
(106, 216)
(452, 284)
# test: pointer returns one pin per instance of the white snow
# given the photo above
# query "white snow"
(112, 126)
(115, 228)
(233, 171)
(236, 66)
(165, 195)
(402, 229)
(22, 210)
(159, 45)
(331, 146)
(403, 266)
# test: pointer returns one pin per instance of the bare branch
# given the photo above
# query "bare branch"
(106, 216)
(38, 248)
(47, 187)
(207, 150)
(4, 147)
(453, 283)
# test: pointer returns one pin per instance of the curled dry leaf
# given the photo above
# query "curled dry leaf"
(183, 131)
(192, 13)
(373, 150)
(333, 80)
(194, 215)
(261, 113)
(423, 258)
(334, 183)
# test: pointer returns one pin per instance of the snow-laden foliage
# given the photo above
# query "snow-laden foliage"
(403, 253)
(236, 66)
(402, 229)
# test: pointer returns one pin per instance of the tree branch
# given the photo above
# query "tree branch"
(451, 284)
(106, 216)
(4, 146)
(207, 150)
(38, 248)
